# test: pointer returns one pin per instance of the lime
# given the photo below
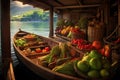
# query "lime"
(104, 72)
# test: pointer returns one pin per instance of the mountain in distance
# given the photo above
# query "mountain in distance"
(17, 8)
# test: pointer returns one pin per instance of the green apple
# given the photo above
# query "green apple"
(104, 72)
(94, 53)
(94, 74)
(95, 63)
(86, 58)
(106, 63)
(83, 66)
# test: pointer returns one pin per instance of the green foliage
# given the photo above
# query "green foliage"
(20, 42)
(32, 15)
(60, 22)
(63, 22)
(82, 23)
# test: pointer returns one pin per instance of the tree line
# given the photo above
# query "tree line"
(33, 15)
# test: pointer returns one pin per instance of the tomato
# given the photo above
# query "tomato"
(97, 44)
(102, 51)
(38, 50)
(107, 53)
(107, 50)
(44, 50)
(47, 48)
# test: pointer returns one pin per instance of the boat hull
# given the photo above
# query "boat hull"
(38, 69)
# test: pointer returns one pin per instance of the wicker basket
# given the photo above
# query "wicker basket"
(95, 33)
(77, 35)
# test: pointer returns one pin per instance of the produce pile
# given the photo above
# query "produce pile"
(57, 56)
(93, 65)
(63, 59)
(27, 40)
(32, 44)
(84, 45)
(67, 29)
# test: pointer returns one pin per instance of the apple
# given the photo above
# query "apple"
(95, 63)
(83, 66)
(104, 73)
(94, 74)
(94, 53)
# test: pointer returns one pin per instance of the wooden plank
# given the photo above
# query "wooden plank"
(81, 6)
(59, 2)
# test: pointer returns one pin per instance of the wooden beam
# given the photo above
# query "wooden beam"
(106, 10)
(5, 29)
(44, 2)
(5, 37)
(51, 22)
(59, 2)
(80, 2)
(39, 4)
(81, 6)
(36, 3)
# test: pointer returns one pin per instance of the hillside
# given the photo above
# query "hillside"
(16, 9)
(20, 12)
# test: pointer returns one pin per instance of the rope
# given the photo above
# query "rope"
(112, 32)
(105, 39)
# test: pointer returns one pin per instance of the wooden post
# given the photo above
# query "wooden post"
(5, 37)
(119, 17)
(51, 23)
(106, 8)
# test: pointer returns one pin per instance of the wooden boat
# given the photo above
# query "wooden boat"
(31, 58)
(31, 61)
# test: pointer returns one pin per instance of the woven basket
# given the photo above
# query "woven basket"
(77, 36)
(95, 33)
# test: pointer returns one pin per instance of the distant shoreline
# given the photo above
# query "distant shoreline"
(28, 21)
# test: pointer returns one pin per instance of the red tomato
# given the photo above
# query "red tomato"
(38, 50)
(44, 50)
(107, 54)
(97, 44)
(47, 48)
(102, 51)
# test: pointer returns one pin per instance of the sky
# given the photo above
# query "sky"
(19, 4)
(17, 8)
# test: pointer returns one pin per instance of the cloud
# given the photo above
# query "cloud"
(20, 4)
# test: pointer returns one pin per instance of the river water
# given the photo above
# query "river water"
(40, 28)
